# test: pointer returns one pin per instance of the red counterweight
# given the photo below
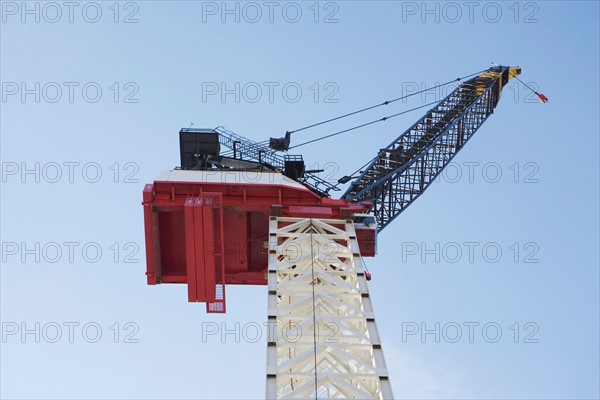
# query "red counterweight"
(209, 228)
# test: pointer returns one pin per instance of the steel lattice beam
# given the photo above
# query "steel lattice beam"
(324, 341)
(403, 170)
(242, 147)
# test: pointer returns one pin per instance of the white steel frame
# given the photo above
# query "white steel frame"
(320, 314)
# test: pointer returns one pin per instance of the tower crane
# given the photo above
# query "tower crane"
(242, 212)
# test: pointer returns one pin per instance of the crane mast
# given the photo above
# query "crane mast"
(403, 170)
(325, 343)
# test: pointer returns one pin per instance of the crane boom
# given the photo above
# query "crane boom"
(402, 171)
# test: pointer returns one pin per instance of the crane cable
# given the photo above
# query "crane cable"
(314, 310)
(363, 125)
(385, 103)
(542, 98)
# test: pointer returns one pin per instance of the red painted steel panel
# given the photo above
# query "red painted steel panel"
(311, 211)
(171, 239)
(214, 252)
(208, 231)
(200, 250)
(190, 244)
(236, 240)
(366, 241)
(258, 236)
(149, 232)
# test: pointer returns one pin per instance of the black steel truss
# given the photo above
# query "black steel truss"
(244, 148)
(403, 170)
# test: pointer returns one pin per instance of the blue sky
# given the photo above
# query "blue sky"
(155, 74)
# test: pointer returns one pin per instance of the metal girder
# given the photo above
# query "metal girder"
(323, 341)
(205, 243)
(242, 147)
(404, 170)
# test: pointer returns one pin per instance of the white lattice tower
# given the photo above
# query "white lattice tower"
(323, 341)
